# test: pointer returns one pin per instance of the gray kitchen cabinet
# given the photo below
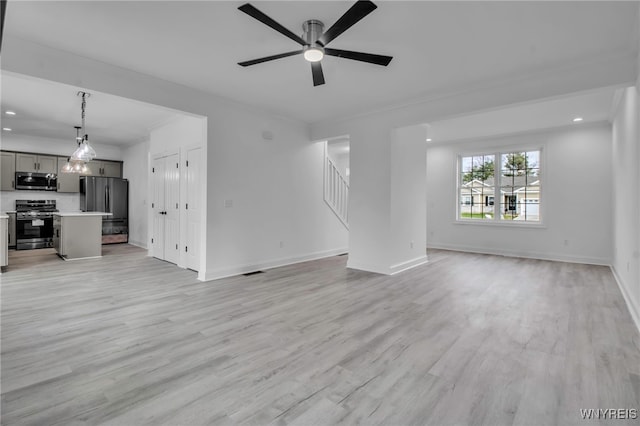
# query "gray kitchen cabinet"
(112, 169)
(8, 172)
(67, 182)
(12, 230)
(26, 162)
(105, 168)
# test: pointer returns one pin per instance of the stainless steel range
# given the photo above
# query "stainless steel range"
(34, 224)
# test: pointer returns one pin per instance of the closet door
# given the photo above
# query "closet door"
(172, 208)
(166, 204)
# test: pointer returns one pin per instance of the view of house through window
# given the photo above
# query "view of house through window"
(500, 186)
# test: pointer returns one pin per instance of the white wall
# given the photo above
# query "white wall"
(136, 170)
(370, 200)
(62, 148)
(276, 190)
(626, 199)
(185, 131)
(576, 198)
(408, 197)
(386, 199)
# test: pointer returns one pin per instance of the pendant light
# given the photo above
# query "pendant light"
(73, 165)
(84, 152)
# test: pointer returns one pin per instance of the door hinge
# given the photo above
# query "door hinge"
(186, 206)
(153, 170)
(176, 247)
(151, 205)
(177, 206)
(187, 163)
(186, 249)
(152, 241)
(177, 166)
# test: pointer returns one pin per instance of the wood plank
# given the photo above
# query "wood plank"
(464, 339)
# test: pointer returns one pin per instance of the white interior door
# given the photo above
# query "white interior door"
(158, 208)
(172, 209)
(193, 207)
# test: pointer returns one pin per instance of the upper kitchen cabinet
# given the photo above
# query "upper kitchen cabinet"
(67, 182)
(36, 163)
(8, 172)
(105, 168)
(111, 169)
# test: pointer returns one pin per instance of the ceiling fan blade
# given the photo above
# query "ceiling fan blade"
(269, 58)
(318, 75)
(3, 10)
(255, 13)
(359, 56)
(358, 11)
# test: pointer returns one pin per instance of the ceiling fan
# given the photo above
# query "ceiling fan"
(314, 40)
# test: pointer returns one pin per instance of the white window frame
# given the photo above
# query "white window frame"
(497, 220)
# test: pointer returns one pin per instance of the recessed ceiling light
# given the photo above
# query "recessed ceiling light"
(428, 139)
(577, 119)
(6, 129)
(11, 113)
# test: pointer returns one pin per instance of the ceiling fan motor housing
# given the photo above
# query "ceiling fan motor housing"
(313, 29)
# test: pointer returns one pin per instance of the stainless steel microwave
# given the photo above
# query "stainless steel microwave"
(36, 181)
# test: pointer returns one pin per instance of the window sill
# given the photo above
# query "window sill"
(505, 223)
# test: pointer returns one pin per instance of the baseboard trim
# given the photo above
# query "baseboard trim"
(367, 267)
(634, 310)
(388, 270)
(557, 257)
(252, 267)
(400, 267)
(138, 244)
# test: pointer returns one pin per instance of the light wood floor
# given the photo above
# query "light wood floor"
(464, 339)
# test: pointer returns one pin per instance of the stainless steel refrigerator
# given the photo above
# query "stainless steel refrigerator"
(109, 195)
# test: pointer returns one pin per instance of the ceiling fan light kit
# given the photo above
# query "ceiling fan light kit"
(314, 39)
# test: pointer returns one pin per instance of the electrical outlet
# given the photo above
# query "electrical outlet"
(281, 244)
(566, 242)
(411, 244)
(228, 203)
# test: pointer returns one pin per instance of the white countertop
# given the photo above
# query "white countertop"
(78, 213)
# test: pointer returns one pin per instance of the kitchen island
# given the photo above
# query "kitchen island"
(78, 235)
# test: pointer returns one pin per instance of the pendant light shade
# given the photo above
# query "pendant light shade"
(84, 152)
(76, 166)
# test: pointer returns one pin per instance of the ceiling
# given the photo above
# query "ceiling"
(438, 47)
(51, 110)
(593, 106)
